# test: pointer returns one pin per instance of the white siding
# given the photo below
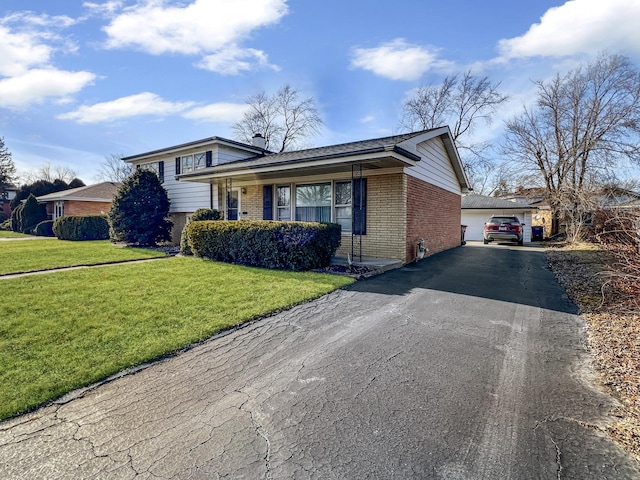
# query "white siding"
(474, 220)
(185, 196)
(435, 167)
(224, 154)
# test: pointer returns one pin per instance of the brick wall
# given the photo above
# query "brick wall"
(251, 202)
(74, 207)
(386, 218)
(433, 214)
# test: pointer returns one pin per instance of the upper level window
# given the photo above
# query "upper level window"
(199, 161)
(187, 164)
(155, 167)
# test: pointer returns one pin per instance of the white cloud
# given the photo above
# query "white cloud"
(35, 85)
(234, 60)
(20, 51)
(202, 27)
(398, 60)
(367, 119)
(27, 45)
(217, 112)
(145, 103)
(579, 27)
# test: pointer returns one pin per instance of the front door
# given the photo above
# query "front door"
(233, 204)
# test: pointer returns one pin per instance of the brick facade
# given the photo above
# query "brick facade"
(433, 214)
(386, 218)
(400, 210)
(74, 207)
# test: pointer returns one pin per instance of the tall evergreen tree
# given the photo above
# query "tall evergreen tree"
(140, 210)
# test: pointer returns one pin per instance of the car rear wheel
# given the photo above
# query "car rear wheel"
(486, 242)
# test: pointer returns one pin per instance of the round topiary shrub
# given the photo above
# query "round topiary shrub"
(198, 215)
(81, 227)
(44, 229)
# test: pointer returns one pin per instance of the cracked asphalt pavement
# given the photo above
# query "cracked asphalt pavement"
(468, 365)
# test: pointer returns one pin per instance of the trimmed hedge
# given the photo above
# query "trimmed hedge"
(81, 227)
(278, 245)
(199, 215)
(44, 229)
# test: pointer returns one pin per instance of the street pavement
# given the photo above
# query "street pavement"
(468, 365)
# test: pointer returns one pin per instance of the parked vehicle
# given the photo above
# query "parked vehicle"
(504, 227)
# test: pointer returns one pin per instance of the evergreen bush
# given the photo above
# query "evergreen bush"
(16, 215)
(278, 245)
(32, 214)
(44, 229)
(81, 227)
(199, 215)
(139, 213)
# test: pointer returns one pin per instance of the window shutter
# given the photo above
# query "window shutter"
(267, 202)
(177, 165)
(359, 226)
(161, 171)
(208, 158)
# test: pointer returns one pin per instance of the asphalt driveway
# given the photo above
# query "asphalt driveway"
(469, 365)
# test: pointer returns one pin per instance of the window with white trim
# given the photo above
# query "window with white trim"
(342, 205)
(199, 161)
(187, 164)
(313, 202)
(283, 203)
(58, 209)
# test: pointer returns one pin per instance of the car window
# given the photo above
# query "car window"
(503, 220)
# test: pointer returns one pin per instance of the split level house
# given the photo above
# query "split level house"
(386, 193)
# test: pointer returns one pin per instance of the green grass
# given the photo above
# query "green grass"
(34, 255)
(8, 234)
(65, 330)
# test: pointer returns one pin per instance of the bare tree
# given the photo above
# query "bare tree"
(462, 102)
(582, 127)
(49, 173)
(114, 169)
(283, 119)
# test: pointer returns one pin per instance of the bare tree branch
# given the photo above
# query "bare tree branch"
(283, 119)
(113, 169)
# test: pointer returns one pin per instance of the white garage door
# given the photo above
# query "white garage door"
(475, 222)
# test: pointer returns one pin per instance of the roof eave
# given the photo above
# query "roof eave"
(403, 158)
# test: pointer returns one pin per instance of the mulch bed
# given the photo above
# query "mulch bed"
(607, 299)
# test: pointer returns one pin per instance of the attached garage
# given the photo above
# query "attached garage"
(477, 209)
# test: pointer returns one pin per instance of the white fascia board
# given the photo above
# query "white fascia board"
(286, 167)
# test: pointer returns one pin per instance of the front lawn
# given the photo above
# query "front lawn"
(9, 234)
(65, 330)
(33, 255)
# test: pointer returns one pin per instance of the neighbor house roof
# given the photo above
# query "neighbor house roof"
(100, 192)
(377, 153)
(482, 202)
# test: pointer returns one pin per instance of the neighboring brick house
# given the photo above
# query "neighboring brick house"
(7, 193)
(88, 200)
(387, 193)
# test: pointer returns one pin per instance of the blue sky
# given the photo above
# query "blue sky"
(80, 81)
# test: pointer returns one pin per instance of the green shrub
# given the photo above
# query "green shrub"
(44, 229)
(139, 213)
(6, 225)
(81, 227)
(278, 245)
(199, 215)
(16, 216)
(32, 214)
